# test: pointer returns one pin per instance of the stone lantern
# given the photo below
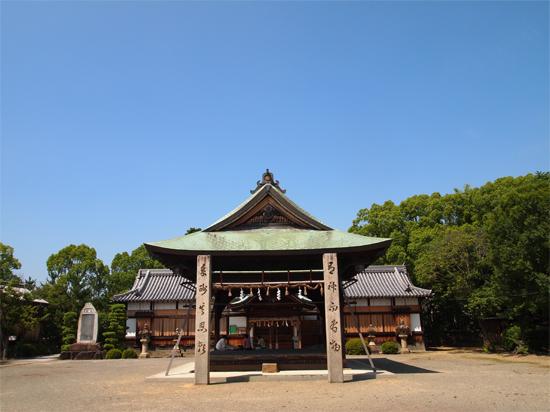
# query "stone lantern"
(145, 334)
(371, 335)
(403, 331)
(176, 350)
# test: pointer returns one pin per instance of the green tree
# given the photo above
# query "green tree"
(484, 252)
(125, 266)
(18, 314)
(454, 265)
(193, 230)
(8, 263)
(518, 227)
(75, 276)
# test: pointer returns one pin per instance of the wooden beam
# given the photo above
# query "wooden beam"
(202, 320)
(333, 309)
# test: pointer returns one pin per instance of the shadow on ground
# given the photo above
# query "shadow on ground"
(398, 367)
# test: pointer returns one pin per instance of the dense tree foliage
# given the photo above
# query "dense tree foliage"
(484, 252)
(8, 264)
(125, 266)
(18, 314)
(75, 276)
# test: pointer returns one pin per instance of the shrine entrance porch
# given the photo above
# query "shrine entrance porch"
(252, 360)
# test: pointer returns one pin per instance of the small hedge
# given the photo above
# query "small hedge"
(354, 347)
(129, 354)
(389, 347)
(113, 354)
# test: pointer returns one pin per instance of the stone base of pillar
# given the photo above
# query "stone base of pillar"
(404, 348)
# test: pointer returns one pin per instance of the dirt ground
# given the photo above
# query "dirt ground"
(439, 381)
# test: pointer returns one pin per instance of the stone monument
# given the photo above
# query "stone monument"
(87, 325)
(86, 346)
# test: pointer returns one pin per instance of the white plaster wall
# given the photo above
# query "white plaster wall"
(164, 305)
(380, 302)
(406, 301)
(139, 306)
(415, 322)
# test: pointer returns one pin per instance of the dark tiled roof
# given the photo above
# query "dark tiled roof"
(156, 285)
(160, 285)
(385, 281)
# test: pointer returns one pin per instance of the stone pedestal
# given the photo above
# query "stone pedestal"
(404, 348)
(403, 331)
(82, 351)
(372, 345)
(144, 349)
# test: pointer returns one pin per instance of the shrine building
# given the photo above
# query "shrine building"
(381, 298)
(272, 271)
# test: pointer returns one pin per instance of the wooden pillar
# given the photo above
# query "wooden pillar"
(333, 319)
(202, 320)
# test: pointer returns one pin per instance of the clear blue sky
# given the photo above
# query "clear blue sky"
(131, 121)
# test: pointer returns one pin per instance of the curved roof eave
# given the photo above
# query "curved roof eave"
(268, 241)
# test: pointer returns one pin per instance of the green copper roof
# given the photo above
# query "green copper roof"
(269, 239)
(267, 223)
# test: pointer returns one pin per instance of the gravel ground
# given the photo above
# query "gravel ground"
(442, 381)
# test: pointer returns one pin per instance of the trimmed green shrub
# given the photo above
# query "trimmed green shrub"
(354, 347)
(65, 348)
(68, 331)
(129, 354)
(109, 337)
(389, 347)
(113, 354)
(116, 328)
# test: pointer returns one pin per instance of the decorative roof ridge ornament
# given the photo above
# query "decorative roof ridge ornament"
(267, 179)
